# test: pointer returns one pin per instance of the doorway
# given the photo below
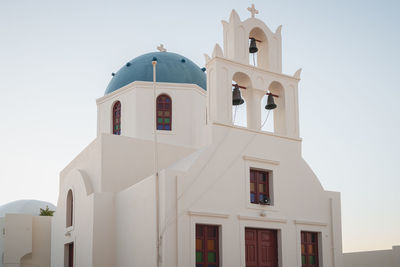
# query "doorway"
(261, 247)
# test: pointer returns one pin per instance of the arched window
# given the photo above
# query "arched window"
(117, 118)
(164, 113)
(70, 208)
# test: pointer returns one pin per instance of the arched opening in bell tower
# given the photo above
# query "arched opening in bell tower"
(260, 58)
(239, 111)
(274, 120)
(267, 116)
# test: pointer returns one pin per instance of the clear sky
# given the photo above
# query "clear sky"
(56, 58)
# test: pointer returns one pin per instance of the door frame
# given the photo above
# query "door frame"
(260, 225)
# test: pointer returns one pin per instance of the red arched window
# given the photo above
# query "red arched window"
(117, 118)
(164, 113)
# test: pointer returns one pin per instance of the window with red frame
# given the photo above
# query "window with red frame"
(207, 246)
(259, 187)
(309, 249)
(164, 113)
(117, 118)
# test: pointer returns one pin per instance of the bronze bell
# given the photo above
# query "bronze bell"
(270, 103)
(253, 46)
(236, 96)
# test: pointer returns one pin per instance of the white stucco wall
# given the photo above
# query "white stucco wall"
(41, 243)
(26, 240)
(138, 116)
(378, 258)
(215, 190)
(2, 240)
(104, 245)
(136, 225)
(81, 232)
(18, 238)
(126, 160)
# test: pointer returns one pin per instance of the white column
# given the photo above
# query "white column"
(253, 108)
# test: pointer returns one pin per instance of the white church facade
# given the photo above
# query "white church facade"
(171, 180)
(199, 190)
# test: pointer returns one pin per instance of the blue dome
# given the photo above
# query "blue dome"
(171, 68)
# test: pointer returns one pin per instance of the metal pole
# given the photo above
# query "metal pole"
(157, 186)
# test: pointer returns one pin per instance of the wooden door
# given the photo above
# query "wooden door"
(71, 255)
(251, 247)
(261, 248)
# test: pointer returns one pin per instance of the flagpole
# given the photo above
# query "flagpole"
(157, 186)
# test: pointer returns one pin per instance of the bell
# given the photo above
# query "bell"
(270, 103)
(253, 46)
(236, 96)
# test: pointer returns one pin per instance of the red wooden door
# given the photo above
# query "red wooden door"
(261, 248)
(251, 247)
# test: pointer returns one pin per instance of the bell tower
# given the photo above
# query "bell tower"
(252, 59)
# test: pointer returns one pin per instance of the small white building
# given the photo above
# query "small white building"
(376, 258)
(199, 190)
(25, 237)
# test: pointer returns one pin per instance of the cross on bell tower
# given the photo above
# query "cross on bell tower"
(252, 10)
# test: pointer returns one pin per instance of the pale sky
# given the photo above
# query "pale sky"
(56, 58)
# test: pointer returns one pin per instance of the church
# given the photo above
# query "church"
(172, 180)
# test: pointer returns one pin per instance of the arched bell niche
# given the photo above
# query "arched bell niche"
(239, 112)
(261, 57)
(274, 120)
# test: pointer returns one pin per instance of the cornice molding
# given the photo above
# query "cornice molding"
(313, 223)
(262, 219)
(208, 214)
(267, 161)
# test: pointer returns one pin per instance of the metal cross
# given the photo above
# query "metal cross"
(252, 10)
(161, 48)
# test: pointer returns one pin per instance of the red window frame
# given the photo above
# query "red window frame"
(207, 245)
(117, 118)
(164, 112)
(309, 249)
(259, 187)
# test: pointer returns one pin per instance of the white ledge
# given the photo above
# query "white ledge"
(263, 219)
(310, 223)
(255, 69)
(268, 161)
(208, 214)
(255, 131)
(160, 86)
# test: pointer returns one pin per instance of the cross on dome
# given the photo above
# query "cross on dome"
(252, 10)
(161, 48)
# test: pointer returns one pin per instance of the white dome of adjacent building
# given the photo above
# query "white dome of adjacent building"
(26, 206)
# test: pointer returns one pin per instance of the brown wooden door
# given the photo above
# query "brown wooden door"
(251, 248)
(261, 248)
(71, 255)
